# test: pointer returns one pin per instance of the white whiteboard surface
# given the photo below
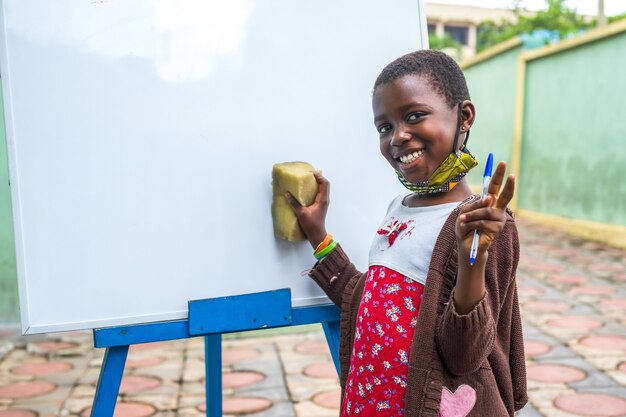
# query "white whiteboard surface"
(142, 134)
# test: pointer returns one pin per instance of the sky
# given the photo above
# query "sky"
(585, 7)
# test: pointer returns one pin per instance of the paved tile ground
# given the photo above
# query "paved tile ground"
(573, 301)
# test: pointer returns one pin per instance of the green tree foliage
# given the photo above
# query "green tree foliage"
(557, 18)
(612, 19)
(490, 33)
(442, 42)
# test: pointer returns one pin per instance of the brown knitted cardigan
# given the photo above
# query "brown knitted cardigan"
(483, 349)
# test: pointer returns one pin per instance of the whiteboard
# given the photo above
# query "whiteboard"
(141, 137)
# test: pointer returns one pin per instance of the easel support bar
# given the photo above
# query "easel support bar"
(140, 333)
(109, 381)
(261, 310)
(179, 329)
(314, 314)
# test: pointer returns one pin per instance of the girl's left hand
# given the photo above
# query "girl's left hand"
(487, 216)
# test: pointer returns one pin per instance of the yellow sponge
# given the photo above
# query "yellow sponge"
(296, 178)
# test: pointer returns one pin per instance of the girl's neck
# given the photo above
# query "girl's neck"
(459, 193)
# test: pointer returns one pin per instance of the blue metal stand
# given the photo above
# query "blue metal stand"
(109, 382)
(213, 374)
(331, 330)
(209, 318)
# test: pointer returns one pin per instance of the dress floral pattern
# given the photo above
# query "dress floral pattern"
(384, 332)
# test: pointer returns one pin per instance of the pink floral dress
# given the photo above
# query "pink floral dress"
(384, 332)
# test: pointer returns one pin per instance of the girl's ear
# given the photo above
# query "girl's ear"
(468, 115)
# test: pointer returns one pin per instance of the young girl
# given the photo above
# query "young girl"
(423, 332)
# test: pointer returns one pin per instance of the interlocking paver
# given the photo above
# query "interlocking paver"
(574, 322)
(554, 373)
(26, 389)
(138, 383)
(321, 370)
(242, 405)
(534, 348)
(241, 379)
(17, 413)
(573, 302)
(233, 354)
(128, 410)
(144, 362)
(591, 404)
(328, 399)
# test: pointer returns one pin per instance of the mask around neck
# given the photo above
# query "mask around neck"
(450, 172)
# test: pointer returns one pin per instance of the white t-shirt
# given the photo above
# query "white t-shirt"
(406, 237)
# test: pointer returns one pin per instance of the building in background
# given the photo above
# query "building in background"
(461, 23)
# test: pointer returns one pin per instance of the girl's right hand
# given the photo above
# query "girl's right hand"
(312, 218)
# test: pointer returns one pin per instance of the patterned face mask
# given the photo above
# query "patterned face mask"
(450, 172)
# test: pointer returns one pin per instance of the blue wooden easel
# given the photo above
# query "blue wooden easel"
(209, 318)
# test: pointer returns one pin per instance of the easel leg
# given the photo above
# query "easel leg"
(213, 374)
(331, 330)
(109, 381)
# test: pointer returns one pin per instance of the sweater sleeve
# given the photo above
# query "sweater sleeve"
(334, 274)
(465, 341)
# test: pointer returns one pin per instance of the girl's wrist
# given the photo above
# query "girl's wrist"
(470, 283)
(324, 248)
(463, 256)
(317, 237)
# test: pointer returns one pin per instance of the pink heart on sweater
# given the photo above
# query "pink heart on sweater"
(457, 404)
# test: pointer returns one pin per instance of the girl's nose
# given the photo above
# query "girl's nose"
(400, 137)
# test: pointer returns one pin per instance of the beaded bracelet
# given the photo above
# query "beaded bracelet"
(321, 254)
(324, 243)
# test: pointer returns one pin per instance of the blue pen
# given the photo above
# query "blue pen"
(483, 193)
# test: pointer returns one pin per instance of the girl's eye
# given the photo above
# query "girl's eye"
(384, 128)
(413, 117)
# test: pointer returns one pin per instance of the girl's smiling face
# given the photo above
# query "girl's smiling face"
(416, 125)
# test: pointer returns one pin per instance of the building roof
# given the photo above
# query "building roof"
(452, 13)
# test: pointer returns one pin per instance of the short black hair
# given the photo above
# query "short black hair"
(444, 74)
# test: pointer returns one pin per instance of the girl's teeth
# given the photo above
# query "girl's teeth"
(405, 159)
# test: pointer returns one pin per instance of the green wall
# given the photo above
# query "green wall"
(492, 89)
(574, 139)
(9, 309)
(573, 156)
